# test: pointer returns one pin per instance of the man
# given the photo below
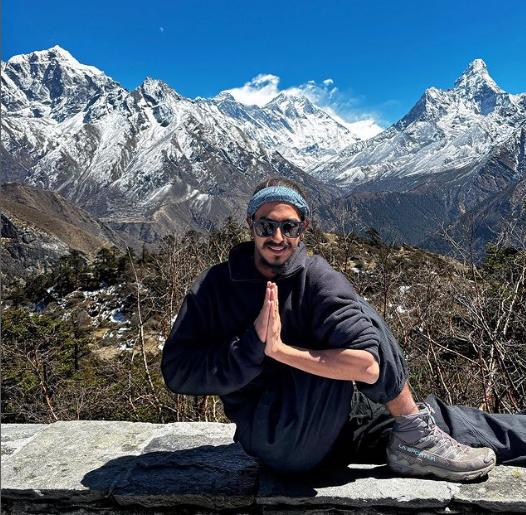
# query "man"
(281, 337)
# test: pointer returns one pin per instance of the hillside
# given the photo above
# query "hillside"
(102, 325)
(39, 226)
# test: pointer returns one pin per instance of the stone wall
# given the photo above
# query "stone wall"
(88, 467)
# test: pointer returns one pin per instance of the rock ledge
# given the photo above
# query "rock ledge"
(82, 467)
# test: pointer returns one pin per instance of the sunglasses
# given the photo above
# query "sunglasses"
(267, 228)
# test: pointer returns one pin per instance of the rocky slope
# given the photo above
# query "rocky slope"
(452, 199)
(38, 227)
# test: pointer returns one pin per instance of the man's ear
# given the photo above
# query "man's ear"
(302, 235)
(249, 223)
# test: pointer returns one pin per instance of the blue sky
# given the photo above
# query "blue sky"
(362, 59)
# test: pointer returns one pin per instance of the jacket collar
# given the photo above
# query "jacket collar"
(242, 267)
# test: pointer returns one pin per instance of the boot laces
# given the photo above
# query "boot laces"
(443, 439)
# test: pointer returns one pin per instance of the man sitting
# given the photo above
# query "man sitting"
(281, 337)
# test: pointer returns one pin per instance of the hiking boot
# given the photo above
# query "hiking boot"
(418, 447)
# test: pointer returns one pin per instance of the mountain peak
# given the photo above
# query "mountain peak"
(58, 51)
(477, 66)
(476, 78)
(291, 103)
(158, 89)
(151, 82)
(224, 95)
(289, 98)
(55, 54)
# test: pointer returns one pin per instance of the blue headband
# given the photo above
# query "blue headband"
(278, 194)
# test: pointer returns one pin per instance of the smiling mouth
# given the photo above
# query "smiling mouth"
(277, 249)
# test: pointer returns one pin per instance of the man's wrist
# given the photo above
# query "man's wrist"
(262, 340)
(277, 351)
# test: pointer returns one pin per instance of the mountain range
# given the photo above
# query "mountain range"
(455, 160)
(151, 162)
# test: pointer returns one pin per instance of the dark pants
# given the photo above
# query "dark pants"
(365, 436)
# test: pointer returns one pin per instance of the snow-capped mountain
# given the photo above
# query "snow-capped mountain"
(477, 203)
(51, 84)
(301, 132)
(148, 159)
(446, 131)
(152, 162)
(456, 162)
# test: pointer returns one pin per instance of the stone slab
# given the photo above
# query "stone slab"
(196, 468)
(356, 486)
(200, 433)
(76, 461)
(504, 491)
(16, 436)
(191, 463)
(34, 508)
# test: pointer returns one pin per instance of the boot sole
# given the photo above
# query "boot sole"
(415, 469)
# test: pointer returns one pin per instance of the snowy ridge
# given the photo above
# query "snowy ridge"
(445, 131)
(47, 57)
(124, 155)
(303, 133)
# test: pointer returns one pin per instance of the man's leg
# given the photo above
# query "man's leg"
(296, 420)
(505, 434)
(365, 436)
(417, 445)
(402, 405)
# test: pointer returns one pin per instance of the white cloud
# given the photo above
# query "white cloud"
(344, 108)
(259, 91)
(263, 88)
(161, 29)
(364, 128)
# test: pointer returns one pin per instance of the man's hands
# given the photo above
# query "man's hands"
(273, 341)
(268, 322)
(340, 363)
(261, 323)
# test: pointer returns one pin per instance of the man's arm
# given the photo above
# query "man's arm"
(344, 364)
(198, 362)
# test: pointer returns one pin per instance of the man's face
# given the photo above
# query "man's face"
(272, 252)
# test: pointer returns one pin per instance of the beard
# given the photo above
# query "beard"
(277, 270)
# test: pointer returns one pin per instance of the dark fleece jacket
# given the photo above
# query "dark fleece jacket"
(279, 411)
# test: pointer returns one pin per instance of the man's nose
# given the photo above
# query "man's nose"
(278, 236)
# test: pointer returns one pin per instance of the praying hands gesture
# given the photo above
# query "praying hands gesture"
(268, 323)
(338, 363)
